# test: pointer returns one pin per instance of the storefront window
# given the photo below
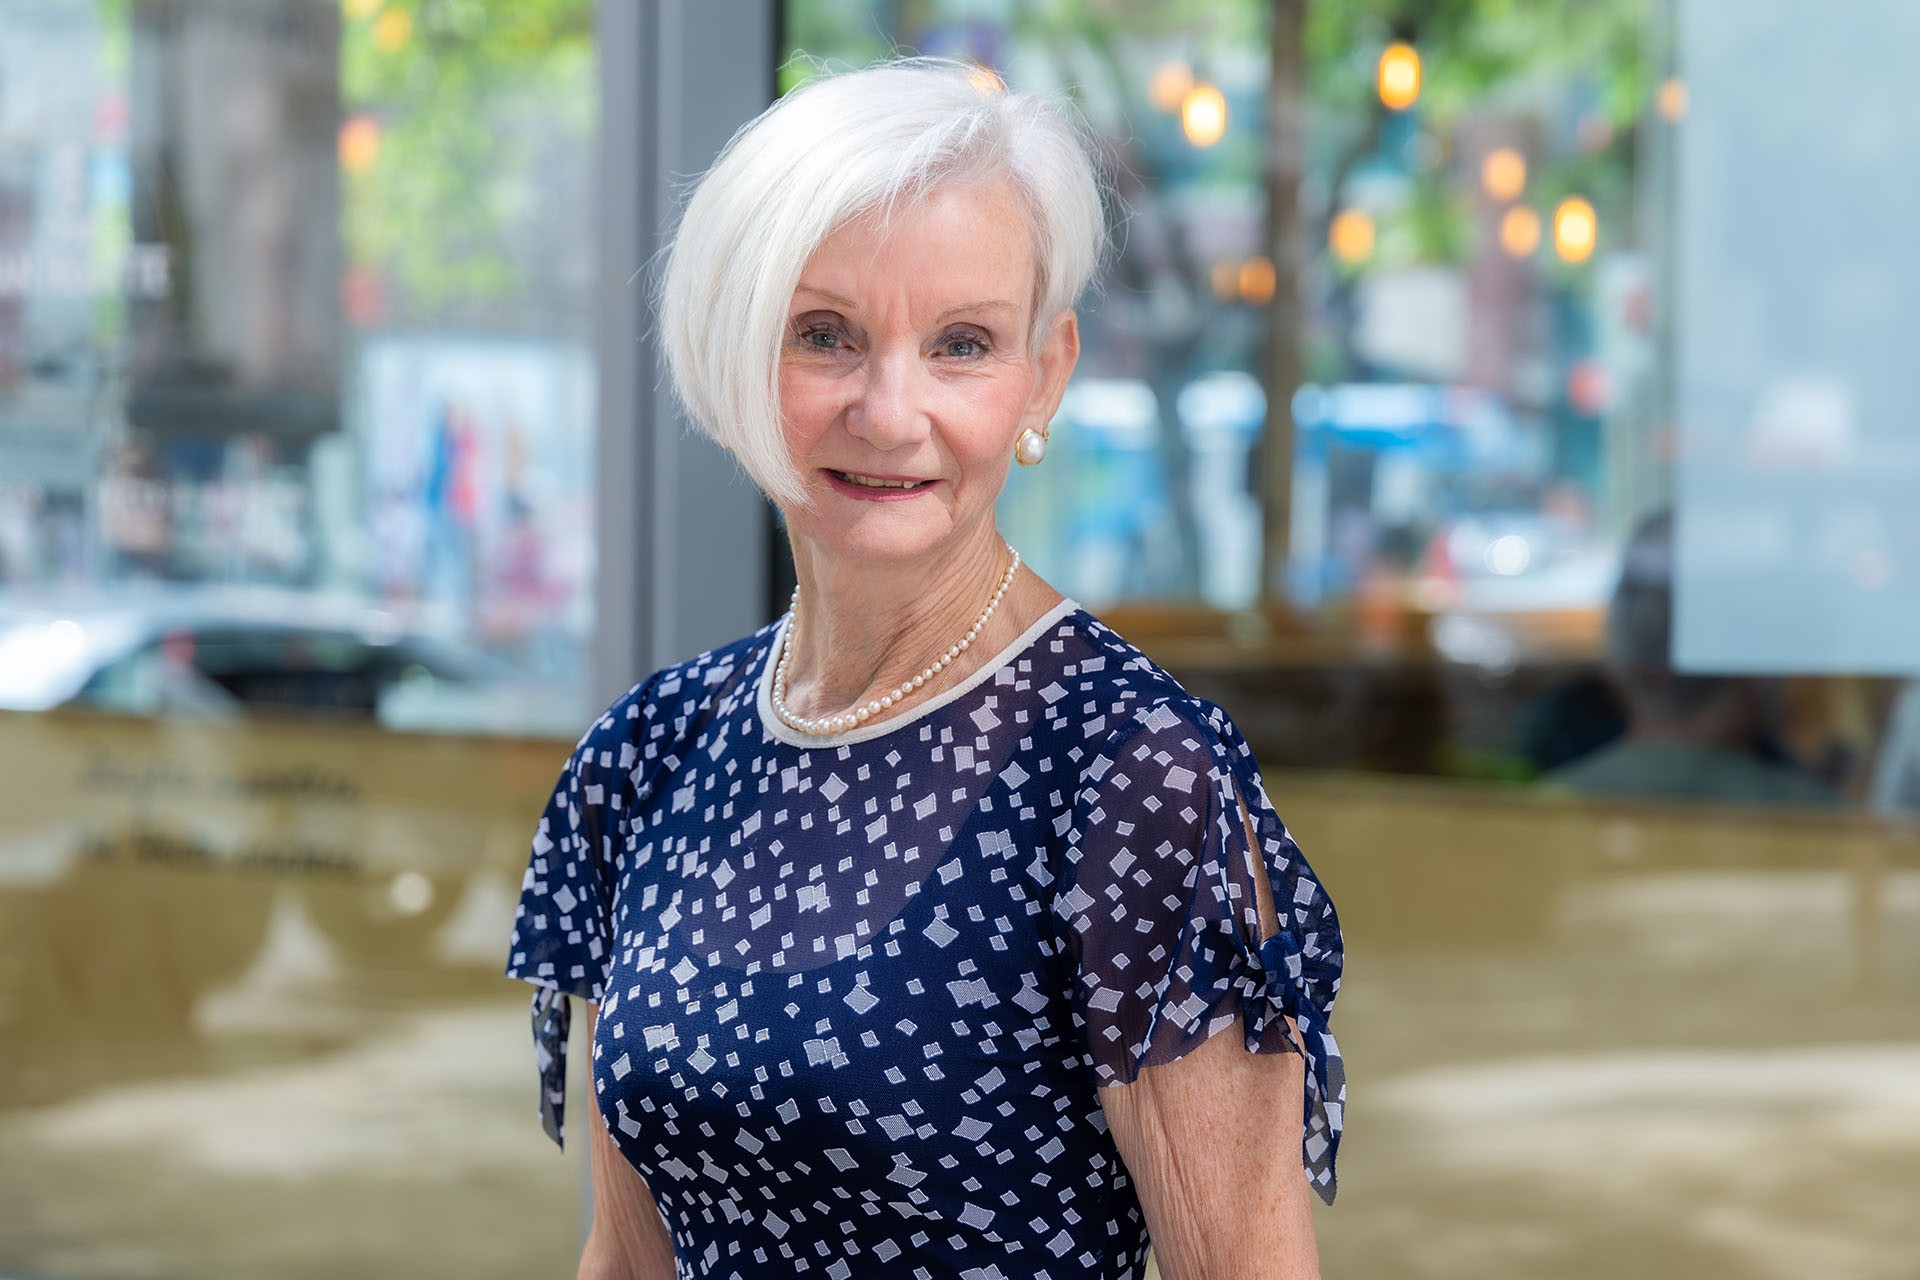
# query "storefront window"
(297, 437)
(295, 306)
(1377, 424)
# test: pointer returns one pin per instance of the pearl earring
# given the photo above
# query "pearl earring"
(1030, 448)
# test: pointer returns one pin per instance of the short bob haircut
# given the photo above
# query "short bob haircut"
(855, 145)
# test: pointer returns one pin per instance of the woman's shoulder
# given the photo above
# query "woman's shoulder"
(675, 694)
(707, 675)
(1118, 690)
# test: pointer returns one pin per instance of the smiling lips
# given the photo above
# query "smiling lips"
(876, 486)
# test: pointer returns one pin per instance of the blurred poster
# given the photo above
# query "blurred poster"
(169, 251)
(479, 488)
(1798, 185)
(66, 269)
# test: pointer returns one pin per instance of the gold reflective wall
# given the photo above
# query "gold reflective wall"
(251, 1014)
(251, 1022)
(1589, 1042)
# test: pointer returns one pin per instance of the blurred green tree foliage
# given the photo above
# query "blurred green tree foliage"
(1481, 59)
(467, 97)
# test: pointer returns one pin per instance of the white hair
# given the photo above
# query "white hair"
(844, 147)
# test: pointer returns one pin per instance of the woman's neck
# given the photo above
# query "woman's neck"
(864, 630)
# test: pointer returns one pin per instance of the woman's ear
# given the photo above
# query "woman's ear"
(1059, 352)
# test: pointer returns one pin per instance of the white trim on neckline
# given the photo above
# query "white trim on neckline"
(780, 730)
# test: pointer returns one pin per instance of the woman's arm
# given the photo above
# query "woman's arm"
(628, 1241)
(1212, 1143)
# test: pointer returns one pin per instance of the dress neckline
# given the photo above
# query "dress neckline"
(778, 729)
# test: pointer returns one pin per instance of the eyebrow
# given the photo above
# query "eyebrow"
(985, 304)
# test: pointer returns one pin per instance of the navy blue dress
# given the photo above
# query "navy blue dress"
(856, 998)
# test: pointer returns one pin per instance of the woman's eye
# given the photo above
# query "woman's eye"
(963, 346)
(820, 339)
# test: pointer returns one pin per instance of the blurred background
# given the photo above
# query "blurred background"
(1505, 410)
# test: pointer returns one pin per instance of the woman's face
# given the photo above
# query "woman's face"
(906, 374)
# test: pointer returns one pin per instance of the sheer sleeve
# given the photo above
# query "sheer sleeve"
(1158, 900)
(563, 928)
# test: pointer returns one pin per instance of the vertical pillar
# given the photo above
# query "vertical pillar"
(682, 535)
(1284, 362)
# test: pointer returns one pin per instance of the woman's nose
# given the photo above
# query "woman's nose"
(888, 412)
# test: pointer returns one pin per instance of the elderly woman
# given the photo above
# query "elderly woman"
(932, 930)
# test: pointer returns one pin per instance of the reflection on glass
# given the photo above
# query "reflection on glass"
(294, 343)
(296, 406)
(1386, 372)
(1798, 536)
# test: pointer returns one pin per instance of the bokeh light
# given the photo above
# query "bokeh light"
(1672, 99)
(1351, 236)
(1587, 387)
(1257, 280)
(1576, 229)
(1169, 86)
(359, 144)
(1399, 76)
(393, 30)
(1203, 115)
(1504, 174)
(1519, 231)
(410, 893)
(1509, 555)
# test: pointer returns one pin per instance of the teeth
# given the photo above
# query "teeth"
(868, 482)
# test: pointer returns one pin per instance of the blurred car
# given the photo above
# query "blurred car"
(1505, 588)
(225, 653)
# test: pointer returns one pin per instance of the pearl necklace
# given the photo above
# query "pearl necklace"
(825, 726)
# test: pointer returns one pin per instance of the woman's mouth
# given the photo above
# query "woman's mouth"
(867, 486)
